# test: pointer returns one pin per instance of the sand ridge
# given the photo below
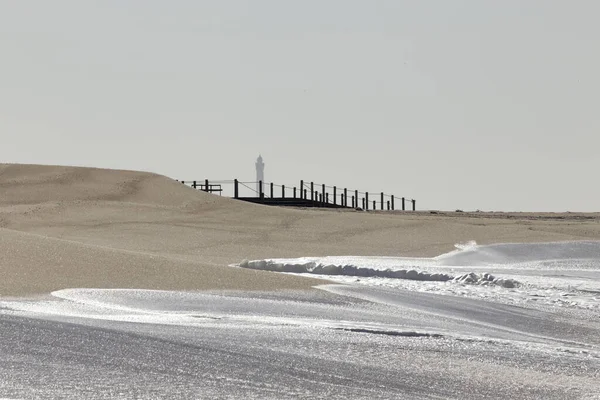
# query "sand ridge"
(64, 227)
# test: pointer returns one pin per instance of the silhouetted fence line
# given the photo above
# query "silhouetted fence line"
(306, 194)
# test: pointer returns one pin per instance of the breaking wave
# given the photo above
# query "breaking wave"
(558, 265)
(301, 266)
(312, 267)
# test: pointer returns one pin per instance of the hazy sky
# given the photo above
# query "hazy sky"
(470, 104)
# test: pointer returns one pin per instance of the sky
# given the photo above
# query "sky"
(460, 104)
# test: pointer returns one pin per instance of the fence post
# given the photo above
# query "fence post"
(301, 188)
(392, 202)
(261, 195)
(194, 184)
(388, 205)
(206, 185)
(382, 200)
(367, 200)
(374, 205)
(235, 189)
(334, 195)
(414, 205)
(353, 205)
(271, 189)
(283, 191)
(363, 205)
(327, 198)
(345, 197)
(403, 206)
(312, 191)
(294, 191)
(323, 191)
(304, 194)
(356, 197)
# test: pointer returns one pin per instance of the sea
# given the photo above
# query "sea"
(505, 321)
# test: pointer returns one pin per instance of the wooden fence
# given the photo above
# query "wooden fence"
(307, 194)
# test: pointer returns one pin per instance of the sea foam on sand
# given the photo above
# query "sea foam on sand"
(562, 273)
(370, 333)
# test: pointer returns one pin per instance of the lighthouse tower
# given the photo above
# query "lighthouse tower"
(260, 173)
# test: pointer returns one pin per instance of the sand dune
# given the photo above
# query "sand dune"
(65, 227)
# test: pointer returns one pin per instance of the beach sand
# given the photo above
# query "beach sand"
(69, 227)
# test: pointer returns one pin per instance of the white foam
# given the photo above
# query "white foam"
(196, 309)
(337, 266)
(570, 278)
(563, 274)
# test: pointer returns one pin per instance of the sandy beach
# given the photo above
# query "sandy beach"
(121, 279)
(119, 284)
(66, 227)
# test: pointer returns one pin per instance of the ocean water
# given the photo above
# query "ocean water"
(518, 321)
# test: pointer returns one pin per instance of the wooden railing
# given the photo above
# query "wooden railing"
(306, 194)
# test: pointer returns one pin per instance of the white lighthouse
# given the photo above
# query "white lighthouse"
(260, 174)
